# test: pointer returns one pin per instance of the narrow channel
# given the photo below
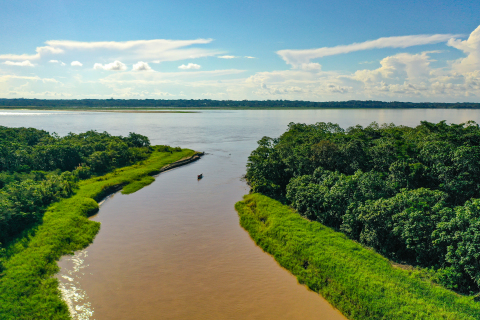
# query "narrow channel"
(175, 250)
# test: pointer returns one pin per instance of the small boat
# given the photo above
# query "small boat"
(200, 176)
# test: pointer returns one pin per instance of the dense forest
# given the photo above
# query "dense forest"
(207, 103)
(412, 194)
(38, 168)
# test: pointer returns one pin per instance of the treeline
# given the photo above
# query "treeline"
(412, 194)
(38, 168)
(207, 103)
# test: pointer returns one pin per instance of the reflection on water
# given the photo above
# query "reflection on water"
(175, 250)
(70, 287)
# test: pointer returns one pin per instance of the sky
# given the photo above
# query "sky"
(419, 51)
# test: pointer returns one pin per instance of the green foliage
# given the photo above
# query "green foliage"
(37, 168)
(26, 149)
(409, 193)
(27, 288)
(137, 185)
(359, 282)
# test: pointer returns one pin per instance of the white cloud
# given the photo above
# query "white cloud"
(32, 78)
(471, 47)
(157, 49)
(234, 57)
(76, 64)
(312, 66)
(400, 67)
(189, 66)
(299, 57)
(25, 63)
(141, 66)
(57, 61)
(113, 66)
(41, 51)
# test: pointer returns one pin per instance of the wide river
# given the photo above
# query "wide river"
(175, 250)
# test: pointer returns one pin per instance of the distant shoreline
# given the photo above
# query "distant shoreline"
(205, 104)
(200, 109)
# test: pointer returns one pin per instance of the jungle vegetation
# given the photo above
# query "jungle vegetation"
(38, 168)
(411, 194)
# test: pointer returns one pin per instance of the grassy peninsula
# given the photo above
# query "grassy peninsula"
(44, 214)
(359, 282)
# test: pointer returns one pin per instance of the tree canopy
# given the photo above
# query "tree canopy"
(38, 168)
(412, 194)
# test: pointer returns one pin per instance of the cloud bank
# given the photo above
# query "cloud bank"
(413, 76)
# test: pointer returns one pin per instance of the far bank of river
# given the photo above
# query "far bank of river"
(176, 248)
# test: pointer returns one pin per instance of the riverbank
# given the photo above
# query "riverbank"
(359, 282)
(27, 287)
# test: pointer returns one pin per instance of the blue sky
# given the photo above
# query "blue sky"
(310, 50)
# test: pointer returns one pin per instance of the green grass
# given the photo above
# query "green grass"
(27, 287)
(359, 282)
(137, 184)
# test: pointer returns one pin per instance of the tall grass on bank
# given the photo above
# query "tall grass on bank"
(359, 282)
(27, 288)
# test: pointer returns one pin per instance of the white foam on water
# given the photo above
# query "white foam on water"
(74, 296)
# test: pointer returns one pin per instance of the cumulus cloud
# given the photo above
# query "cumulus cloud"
(25, 63)
(113, 66)
(141, 66)
(400, 67)
(471, 47)
(189, 66)
(76, 64)
(250, 57)
(299, 57)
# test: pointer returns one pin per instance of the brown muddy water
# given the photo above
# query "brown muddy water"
(175, 250)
